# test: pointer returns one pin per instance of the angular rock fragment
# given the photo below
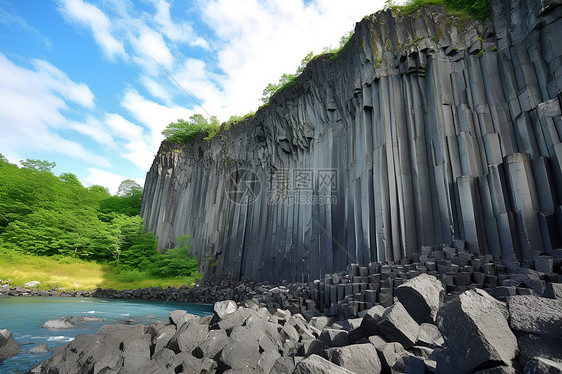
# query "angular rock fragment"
(359, 358)
(318, 365)
(224, 308)
(41, 348)
(396, 325)
(476, 332)
(430, 336)
(535, 315)
(421, 297)
(8, 345)
(179, 317)
(239, 356)
(334, 338)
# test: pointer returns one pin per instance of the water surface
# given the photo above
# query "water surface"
(22, 316)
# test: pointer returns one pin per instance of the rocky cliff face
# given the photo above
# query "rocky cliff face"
(426, 130)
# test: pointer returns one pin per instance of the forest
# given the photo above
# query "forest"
(55, 220)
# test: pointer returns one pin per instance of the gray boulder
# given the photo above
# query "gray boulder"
(334, 338)
(179, 317)
(8, 345)
(540, 365)
(553, 291)
(389, 353)
(396, 325)
(283, 365)
(359, 358)
(225, 308)
(188, 337)
(371, 319)
(430, 336)
(318, 365)
(41, 348)
(59, 324)
(535, 315)
(421, 297)
(213, 344)
(531, 346)
(240, 356)
(476, 332)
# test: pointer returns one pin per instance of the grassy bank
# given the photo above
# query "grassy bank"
(76, 274)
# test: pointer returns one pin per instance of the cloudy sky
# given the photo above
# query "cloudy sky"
(91, 84)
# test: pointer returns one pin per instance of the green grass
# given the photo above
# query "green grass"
(475, 8)
(75, 274)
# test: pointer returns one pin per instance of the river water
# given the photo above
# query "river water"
(23, 315)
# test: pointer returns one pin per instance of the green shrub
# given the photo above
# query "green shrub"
(475, 8)
(182, 131)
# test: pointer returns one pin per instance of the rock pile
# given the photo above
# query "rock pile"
(472, 332)
(345, 294)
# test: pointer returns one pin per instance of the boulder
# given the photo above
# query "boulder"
(531, 346)
(476, 332)
(225, 308)
(318, 365)
(421, 297)
(389, 353)
(160, 335)
(179, 317)
(535, 315)
(359, 358)
(41, 348)
(267, 360)
(136, 353)
(430, 336)
(59, 324)
(370, 320)
(192, 364)
(311, 347)
(334, 338)
(213, 344)
(553, 291)
(540, 365)
(8, 345)
(188, 337)
(240, 356)
(396, 325)
(283, 365)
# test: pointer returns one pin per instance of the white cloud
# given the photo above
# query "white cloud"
(106, 179)
(94, 129)
(152, 43)
(90, 16)
(263, 39)
(122, 128)
(59, 82)
(31, 106)
(173, 31)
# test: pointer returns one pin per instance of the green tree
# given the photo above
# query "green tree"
(127, 187)
(285, 80)
(2, 158)
(182, 131)
(38, 165)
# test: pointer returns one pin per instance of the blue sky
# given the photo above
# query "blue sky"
(88, 83)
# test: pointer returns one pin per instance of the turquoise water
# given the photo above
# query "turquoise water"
(22, 316)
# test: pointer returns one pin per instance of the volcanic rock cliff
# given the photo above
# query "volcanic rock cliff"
(425, 130)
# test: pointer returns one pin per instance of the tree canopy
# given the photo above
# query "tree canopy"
(182, 131)
(46, 215)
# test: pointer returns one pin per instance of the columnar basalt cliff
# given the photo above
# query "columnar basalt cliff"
(425, 130)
